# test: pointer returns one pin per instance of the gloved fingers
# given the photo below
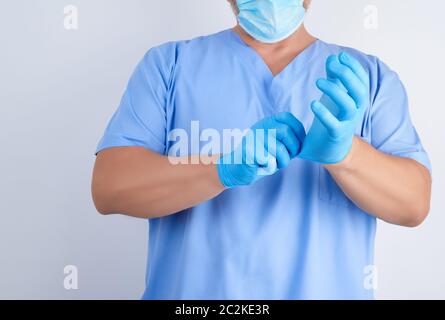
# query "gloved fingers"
(260, 154)
(327, 119)
(282, 127)
(344, 102)
(241, 155)
(330, 62)
(284, 134)
(290, 120)
(355, 66)
(254, 151)
(265, 149)
(281, 154)
(266, 162)
(351, 82)
(268, 169)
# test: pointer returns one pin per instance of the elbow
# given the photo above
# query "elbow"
(101, 204)
(415, 221)
(102, 208)
(420, 209)
(101, 200)
(418, 215)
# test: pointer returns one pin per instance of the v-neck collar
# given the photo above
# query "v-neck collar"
(251, 57)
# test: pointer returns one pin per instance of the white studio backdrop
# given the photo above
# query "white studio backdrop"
(61, 80)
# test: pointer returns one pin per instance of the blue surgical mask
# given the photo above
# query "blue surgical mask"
(270, 21)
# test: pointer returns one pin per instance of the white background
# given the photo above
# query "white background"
(58, 89)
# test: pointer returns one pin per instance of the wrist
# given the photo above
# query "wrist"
(214, 173)
(348, 163)
(232, 175)
(222, 175)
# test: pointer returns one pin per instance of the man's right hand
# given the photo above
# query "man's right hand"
(268, 146)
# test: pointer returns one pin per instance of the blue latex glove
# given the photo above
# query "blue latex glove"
(267, 147)
(339, 111)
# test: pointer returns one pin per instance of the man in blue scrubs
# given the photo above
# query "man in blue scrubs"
(289, 212)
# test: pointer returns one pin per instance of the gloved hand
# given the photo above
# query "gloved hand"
(267, 147)
(339, 112)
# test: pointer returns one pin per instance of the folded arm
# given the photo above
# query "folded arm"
(396, 190)
(137, 182)
(140, 183)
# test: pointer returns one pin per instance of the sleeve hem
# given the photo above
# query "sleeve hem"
(114, 141)
(420, 157)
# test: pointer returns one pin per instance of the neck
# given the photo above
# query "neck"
(297, 42)
(278, 55)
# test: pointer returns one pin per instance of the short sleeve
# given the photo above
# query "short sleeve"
(392, 129)
(141, 119)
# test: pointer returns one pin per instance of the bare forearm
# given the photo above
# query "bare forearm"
(396, 190)
(136, 182)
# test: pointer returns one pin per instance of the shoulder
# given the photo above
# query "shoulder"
(160, 63)
(170, 54)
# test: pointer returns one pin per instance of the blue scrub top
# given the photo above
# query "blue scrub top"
(294, 235)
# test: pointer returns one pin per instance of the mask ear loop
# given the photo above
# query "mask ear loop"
(234, 6)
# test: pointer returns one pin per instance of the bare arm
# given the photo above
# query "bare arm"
(137, 182)
(396, 190)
